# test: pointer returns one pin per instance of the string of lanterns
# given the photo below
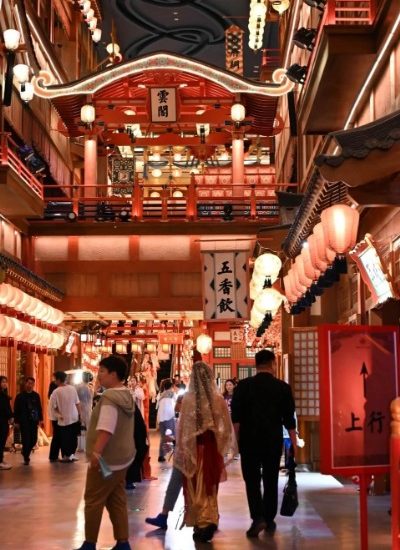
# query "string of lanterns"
(90, 18)
(267, 300)
(322, 258)
(27, 306)
(20, 331)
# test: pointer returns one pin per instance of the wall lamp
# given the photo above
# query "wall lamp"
(297, 73)
(304, 38)
(20, 71)
(318, 4)
(88, 114)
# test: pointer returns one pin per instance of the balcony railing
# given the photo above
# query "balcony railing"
(350, 12)
(9, 158)
(198, 203)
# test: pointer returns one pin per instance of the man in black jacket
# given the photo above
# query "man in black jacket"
(28, 415)
(261, 405)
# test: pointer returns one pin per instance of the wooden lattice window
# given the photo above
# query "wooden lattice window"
(3, 361)
(222, 352)
(306, 372)
(222, 371)
(245, 372)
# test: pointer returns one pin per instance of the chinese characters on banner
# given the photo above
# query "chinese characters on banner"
(163, 104)
(358, 381)
(225, 283)
(234, 50)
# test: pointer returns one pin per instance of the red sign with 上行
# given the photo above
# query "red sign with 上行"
(170, 338)
(359, 377)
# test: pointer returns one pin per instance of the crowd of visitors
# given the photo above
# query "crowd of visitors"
(204, 427)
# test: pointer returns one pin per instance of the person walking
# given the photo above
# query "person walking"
(109, 440)
(166, 415)
(28, 416)
(204, 437)
(5, 420)
(261, 405)
(67, 407)
(85, 395)
(229, 386)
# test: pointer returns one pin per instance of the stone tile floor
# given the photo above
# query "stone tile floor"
(41, 508)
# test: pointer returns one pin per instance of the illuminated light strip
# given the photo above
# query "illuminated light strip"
(291, 33)
(90, 85)
(371, 74)
(49, 58)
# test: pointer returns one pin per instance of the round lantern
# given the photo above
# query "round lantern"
(310, 271)
(21, 306)
(268, 265)
(303, 279)
(5, 293)
(204, 344)
(315, 259)
(269, 300)
(296, 285)
(289, 293)
(256, 317)
(5, 325)
(26, 331)
(18, 329)
(325, 253)
(255, 289)
(340, 224)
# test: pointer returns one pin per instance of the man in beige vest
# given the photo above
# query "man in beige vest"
(110, 441)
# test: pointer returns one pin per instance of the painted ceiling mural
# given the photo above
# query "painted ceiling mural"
(193, 28)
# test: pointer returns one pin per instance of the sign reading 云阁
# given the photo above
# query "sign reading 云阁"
(359, 377)
(163, 104)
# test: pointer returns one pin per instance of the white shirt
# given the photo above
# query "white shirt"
(65, 401)
(50, 409)
(166, 409)
(107, 422)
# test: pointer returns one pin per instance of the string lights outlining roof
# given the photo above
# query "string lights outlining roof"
(279, 86)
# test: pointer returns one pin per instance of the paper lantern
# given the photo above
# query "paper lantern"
(303, 279)
(6, 326)
(151, 347)
(120, 348)
(300, 289)
(315, 259)
(269, 300)
(289, 293)
(325, 253)
(21, 306)
(238, 112)
(5, 293)
(340, 225)
(268, 265)
(255, 288)
(310, 271)
(26, 331)
(88, 114)
(256, 318)
(204, 343)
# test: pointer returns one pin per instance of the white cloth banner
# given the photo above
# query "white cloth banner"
(225, 285)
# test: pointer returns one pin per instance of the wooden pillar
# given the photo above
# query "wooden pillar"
(237, 166)
(90, 166)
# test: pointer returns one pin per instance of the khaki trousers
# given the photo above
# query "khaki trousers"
(109, 493)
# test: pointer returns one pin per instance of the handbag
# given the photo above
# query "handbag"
(290, 499)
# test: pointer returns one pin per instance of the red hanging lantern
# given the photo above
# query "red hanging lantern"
(304, 280)
(317, 263)
(340, 224)
(289, 293)
(325, 253)
(300, 288)
(309, 269)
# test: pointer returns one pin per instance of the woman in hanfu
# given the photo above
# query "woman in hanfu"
(205, 435)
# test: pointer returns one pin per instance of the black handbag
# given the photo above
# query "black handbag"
(290, 499)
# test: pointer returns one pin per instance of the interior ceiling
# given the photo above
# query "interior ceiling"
(193, 28)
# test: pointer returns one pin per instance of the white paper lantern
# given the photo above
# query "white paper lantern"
(268, 265)
(204, 343)
(269, 300)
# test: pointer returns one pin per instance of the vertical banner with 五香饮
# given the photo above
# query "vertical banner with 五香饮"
(225, 285)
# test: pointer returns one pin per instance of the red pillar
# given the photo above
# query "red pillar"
(90, 166)
(237, 166)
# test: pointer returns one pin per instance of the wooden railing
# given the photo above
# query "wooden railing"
(9, 158)
(350, 12)
(199, 202)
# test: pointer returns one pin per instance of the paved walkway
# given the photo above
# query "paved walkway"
(41, 508)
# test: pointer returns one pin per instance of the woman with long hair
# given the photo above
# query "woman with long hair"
(205, 435)
(5, 419)
(229, 386)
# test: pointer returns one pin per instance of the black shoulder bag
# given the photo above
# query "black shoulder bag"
(290, 499)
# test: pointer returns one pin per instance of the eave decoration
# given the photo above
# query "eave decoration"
(43, 84)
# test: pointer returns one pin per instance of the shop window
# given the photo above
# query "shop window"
(222, 353)
(305, 384)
